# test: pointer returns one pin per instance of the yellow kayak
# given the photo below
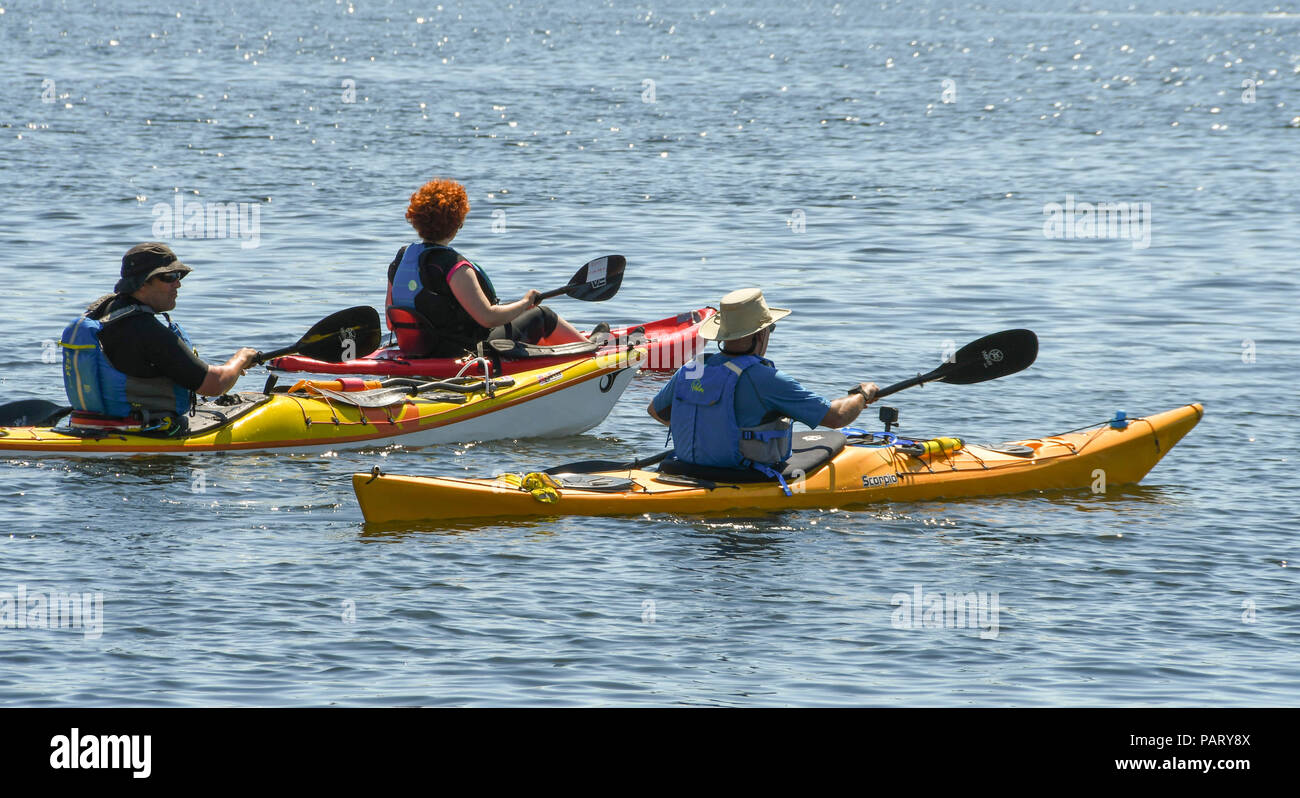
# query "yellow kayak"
(853, 469)
(316, 416)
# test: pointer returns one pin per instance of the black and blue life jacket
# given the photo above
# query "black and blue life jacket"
(439, 309)
(95, 385)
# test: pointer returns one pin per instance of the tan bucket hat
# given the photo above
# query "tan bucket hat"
(741, 313)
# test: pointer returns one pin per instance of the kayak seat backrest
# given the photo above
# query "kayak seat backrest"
(78, 419)
(811, 450)
(413, 331)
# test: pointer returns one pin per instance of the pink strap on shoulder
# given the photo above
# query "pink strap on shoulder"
(452, 271)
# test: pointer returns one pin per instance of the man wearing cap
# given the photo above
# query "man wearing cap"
(120, 361)
(727, 409)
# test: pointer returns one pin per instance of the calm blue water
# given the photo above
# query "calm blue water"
(882, 169)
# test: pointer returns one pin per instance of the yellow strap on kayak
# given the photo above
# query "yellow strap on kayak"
(542, 487)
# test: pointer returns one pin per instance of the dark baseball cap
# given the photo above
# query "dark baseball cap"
(143, 261)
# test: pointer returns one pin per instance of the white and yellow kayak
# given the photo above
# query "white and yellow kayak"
(318, 416)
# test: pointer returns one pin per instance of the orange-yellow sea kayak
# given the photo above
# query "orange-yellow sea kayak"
(853, 469)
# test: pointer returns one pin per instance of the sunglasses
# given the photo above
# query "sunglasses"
(170, 277)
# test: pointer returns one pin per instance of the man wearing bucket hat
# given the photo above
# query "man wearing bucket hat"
(120, 361)
(728, 409)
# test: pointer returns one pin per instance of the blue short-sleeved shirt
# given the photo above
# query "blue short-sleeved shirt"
(761, 390)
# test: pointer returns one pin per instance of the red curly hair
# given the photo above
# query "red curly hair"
(437, 209)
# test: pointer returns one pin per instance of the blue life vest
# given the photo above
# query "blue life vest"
(95, 385)
(407, 281)
(703, 420)
(444, 312)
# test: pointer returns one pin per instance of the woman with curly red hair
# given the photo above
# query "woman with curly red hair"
(451, 299)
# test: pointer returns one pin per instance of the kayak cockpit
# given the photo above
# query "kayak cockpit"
(809, 451)
(213, 414)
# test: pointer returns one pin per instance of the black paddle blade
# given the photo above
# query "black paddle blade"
(990, 357)
(31, 413)
(593, 466)
(345, 335)
(598, 280)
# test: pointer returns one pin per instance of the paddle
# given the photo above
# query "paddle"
(345, 335)
(592, 466)
(340, 336)
(988, 358)
(31, 413)
(596, 281)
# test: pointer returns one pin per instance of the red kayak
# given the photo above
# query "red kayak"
(670, 343)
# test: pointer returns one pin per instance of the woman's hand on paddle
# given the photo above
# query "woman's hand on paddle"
(519, 307)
